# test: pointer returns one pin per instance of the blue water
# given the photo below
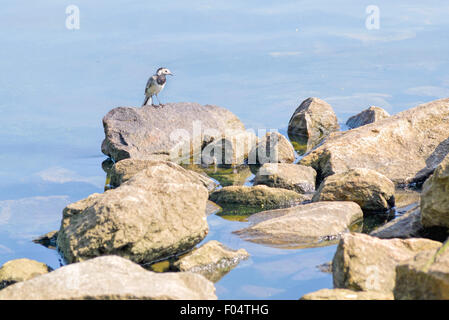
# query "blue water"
(259, 59)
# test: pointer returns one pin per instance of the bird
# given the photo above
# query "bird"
(155, 85)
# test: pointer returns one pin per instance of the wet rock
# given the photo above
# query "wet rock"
(303, 226)
(20, 270)
(287, 176)
(148, 132)
(345, 294)
(407, 226)
(424, 277)
(212, 260)
(258, 197)
(235, 176)
(368, 188)
(406, 147)
(230, 150)
(48, 240)
(435, 198)
(366, 263)
(111, 278)
(313, 119)
(370, 115)
(124, 170)
(157, 213)
(274, 148)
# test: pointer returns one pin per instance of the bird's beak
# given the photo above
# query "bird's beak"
(171, 74)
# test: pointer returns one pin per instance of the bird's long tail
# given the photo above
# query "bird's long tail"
(148, 101)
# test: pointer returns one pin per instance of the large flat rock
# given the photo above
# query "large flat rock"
(406, 147)
(154, 133)
(111, 278)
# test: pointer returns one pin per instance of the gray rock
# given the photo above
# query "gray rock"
(111, 278)
(370, 115)
(306, 225)
(405, 148)
(314, 119)
(371, 190)
(148, 132)
(272, 148)
(20, 270)
(287, 176)
(157, 213)
(365, 263)
(407, 226)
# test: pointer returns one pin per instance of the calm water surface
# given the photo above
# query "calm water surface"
(259, 59)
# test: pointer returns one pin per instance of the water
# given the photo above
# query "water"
(259, 59)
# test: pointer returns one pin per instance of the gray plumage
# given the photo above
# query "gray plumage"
(155, 84)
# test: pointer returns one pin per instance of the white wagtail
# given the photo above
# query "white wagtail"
(155, 85)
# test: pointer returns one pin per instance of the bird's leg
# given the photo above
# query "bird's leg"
(160, 104)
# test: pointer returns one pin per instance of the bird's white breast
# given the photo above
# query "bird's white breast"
(155, 88)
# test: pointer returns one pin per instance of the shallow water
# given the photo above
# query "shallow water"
(258, 59)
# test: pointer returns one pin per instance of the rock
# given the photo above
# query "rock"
(435, 199)
(48, 240)
(111, 278)
(313, 119)
(235, 176)
(424, 277)
(370, 115)
(147, 132)
(406, 147)
(20, 270)
(405, 199)
(345, 294)
(407, 226)
(303, 226)
(157, 213)
(366, 263)
(272, 148)
(212, 208)
(287, 176)
(124, 170)
(231, 150)
(212, 260)
(258, 197)
(371, 190)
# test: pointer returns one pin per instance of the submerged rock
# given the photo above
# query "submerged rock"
(287, 176)
(313, 119)
(424, 277)
(124, 170)
(305, 225)
(370, 115)
(368, 188)
(405, 148)
(158, 133)
(345, 294)
(435, 197)
(20, 270)
(366, 263)
(212, 260)
(272, 148)
(406, 226)
(157, 213)
(257, 197)
(111, 278)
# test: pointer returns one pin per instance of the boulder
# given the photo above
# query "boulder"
(313, 119)
(48, 240)
(212, 260)
(370, 115)
(365, 263)
(123, 170)
(435, 197)
(368, 188)
(111, 278)
(20, 270)
(159, 133)
(159, 212)
(406, 226)
(424, 277)
(406, 147)
(272, 148)
(345, 294)
(257, 197)
(287, 176)
(306, 225)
